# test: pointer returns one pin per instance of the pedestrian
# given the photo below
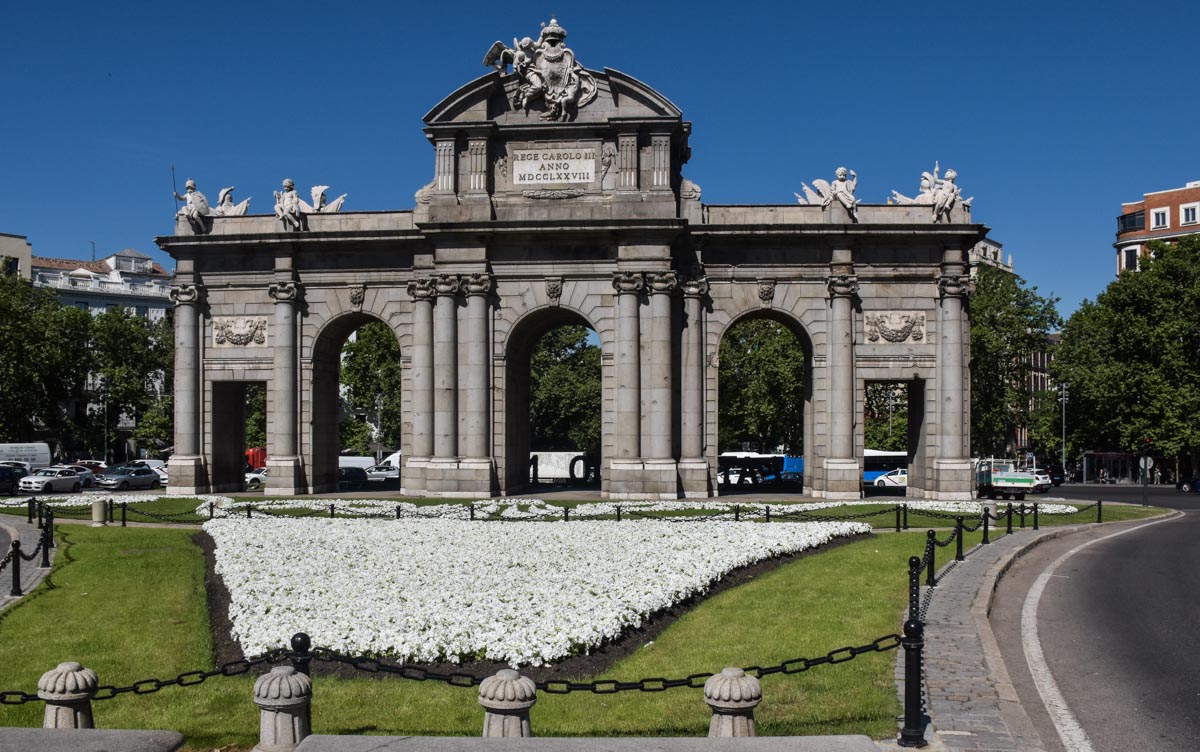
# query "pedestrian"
(1157, 477)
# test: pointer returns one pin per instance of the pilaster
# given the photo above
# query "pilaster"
(282, 456)
(188, 473)
(843, 474)
(693, 467)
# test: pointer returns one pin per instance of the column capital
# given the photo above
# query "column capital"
(285, 291)
(955, 285)
(662, 283)
(187, 294)
(842, 285)
(447, 285)
(694, 287)
(477, 284)
(628, 282)
(421, 289)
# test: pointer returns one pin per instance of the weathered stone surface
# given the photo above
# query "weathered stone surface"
(88, 740)
(319, 743)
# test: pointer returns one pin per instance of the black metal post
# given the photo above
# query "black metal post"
(768, 514)
(212, 509)
(397, 511)
(905, 516)
(301, 644)
(29, 514)
(566, 514)
(16, 568)
(913, 732)
(931, 547)
(41, 520)
(248, 511)
(958, 536)
(472, 512)
(1035, 516)
(50, 526)
(331, 511)
(737, 512)
(897, 518)
(1009, 513)
(111, 510)
(618, 514)
(124, 509)
(47, 543)
(987, 520)
(1022, 510)
(1099, 510)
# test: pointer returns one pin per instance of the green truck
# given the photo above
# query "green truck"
(995, 477)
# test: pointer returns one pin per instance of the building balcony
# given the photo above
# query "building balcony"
(100, 286)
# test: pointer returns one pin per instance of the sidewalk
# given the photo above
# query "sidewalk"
(969, 699)
(31, 574)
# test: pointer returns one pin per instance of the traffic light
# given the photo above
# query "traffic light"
(1146, 446)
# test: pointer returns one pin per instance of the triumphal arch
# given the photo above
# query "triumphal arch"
(559, 196)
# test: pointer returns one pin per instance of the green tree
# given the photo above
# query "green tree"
(356, 436)
(565, 392)
(761, 388)
(130, 362)
(885, 425)
(256, 414)
(1130, 358)
(43, 362)
(371, 381)
(1009, 322)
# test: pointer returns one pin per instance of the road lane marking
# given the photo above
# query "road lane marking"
(1073, 737)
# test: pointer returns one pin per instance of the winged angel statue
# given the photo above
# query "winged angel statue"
(548, 72)
(840, 190)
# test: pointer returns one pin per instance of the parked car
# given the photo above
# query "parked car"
(350, 478)
(52, 480)
(125, 477)
(10, 479)
(85, 473)
(893, 479)
(96, 466)
(24, 467)
(1190, 485)
(1041, 481)
(1056, 477)
(383, 472)
(256, 479)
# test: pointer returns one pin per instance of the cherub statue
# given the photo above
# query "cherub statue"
(196, 209)
(946, 195)
(287, 206)
(841, 190)
(225, 206)
(924, 196)
(319, 204)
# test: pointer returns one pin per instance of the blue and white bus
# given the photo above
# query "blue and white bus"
(876, 462)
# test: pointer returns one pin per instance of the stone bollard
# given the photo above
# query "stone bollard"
(68, 690)
(284, 697)
(99, 514)
(507, 697)
(732, 695)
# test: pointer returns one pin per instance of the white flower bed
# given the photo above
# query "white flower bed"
(432, 590)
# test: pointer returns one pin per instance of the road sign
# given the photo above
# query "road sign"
(1147, 464)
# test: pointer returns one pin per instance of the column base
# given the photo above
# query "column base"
(286, 477)
(843, 480)
(412, 477)
(643, 479)
(187, 475)
(693, 478)
(953, 480)
(456, 478)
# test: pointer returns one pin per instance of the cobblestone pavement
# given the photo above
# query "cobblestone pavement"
(970, 702)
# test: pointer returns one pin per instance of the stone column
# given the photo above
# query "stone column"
(68, 690)
(629, 424)
(445, 368)
(953, 468)
(282, 455)
(186, 465)
(659, 391)
(422, 293)
(732, 695)
(842, 475)
(284, 699)
(693, 468)
(507, 697)
(477, 406)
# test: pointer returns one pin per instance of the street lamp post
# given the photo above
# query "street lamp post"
(1062, 391)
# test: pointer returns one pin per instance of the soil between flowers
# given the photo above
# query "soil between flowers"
(227, 650)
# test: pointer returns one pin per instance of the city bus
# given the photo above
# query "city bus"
(876, 462)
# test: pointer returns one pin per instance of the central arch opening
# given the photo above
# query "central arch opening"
(764, 406)
(553, 377)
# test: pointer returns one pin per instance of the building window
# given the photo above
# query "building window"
(1131, 259)
(82, 306)
(143, 311)
(1131, 222)
(1161, 219)
(1188, 212)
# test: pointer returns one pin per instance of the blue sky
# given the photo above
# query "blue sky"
(1053, 113)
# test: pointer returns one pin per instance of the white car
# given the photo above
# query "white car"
(86, 476)
(383, 472)
(893, 479)
(256, 479)
(52, 480)
(1041, 481)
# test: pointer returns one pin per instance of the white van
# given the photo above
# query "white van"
(351, 461)
(36, 455)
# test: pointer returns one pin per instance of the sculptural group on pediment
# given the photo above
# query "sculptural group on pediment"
(548, 71)
(824, 193)
(289, 207)
(942, 194)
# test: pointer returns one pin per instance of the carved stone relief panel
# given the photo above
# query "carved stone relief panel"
(239, 331)
(894, 327)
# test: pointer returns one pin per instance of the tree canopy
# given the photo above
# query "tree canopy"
(1009, 322)
(1130, 358)
(761, 385)
(565, 392)
(372, 383)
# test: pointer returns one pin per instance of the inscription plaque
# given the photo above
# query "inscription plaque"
(553, 166)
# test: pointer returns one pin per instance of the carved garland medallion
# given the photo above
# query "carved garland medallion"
(554, 289)
(895, 327)
(239, 331)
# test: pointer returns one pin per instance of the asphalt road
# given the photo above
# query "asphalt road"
(1117, 624)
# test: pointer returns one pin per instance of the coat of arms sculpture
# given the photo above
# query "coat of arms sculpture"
(548, 72)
